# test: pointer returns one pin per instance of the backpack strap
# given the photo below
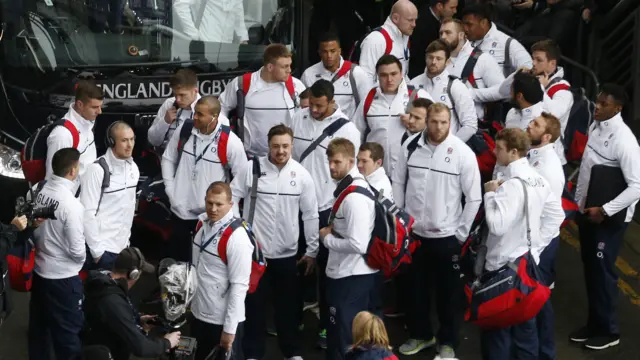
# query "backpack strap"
(291, 89)
(75, 135)
(40, 186)
(223, 141)
(467, 71)
(185, 134)
(226, 235)
(506, 65)
(348, 190)
(387, 40)
(412, 146)
(453, 102)
(346, 66)
(106, 179)
(328, 131)
(244, 83)
(413, 94)
(254, 189)
(368, 101)
(354, 85)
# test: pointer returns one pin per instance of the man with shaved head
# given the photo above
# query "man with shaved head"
(108, 212)
(199, 153)
(391, 38)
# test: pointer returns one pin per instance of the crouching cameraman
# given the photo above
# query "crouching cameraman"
(111, 319)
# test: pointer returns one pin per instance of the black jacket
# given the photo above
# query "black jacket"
(112, 321)
(427, 30)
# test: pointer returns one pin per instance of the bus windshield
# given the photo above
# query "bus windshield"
(227, 35)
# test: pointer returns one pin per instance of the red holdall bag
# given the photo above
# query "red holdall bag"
(510, 295)
(20, 263)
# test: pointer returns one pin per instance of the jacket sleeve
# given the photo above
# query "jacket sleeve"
(239, 252)
(371, 51)
(89, 197)
(470, 183)
(241, 31)
(308, 77)
(359, 212)
(353, 135)
(310, 217)
(158, 130)
(59, 138)
(399, 177)
(519, 56)
(502, 207)
(364, 83)
(628, 154)
(465, 110)
(424, 94)
(239, 189)
(74, 233)
(512, 119)
(182, 9)
(228, 98)
(122, 324)
(169, 164)
(551, 219)
(497, 92)
(359, 121)
(491, 72)
(559, 105)
(235, 155)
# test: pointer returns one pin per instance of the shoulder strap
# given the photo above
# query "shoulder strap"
(291, 89)
(449, 85)
(354, 85)
(244, 83)
(411, 148)
(346, 66)
(526, 210)
(467, 71)
(223, 141)
(328, 131)
(387, 39)
(254, 189)
(413, 94)
(185, 134)
(106, 179)
(368, 101)
(507, 58)
(224, 239)
(74, 132)
(348, 190)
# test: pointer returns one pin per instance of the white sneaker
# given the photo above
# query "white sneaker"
(294, 358)
(414, 346)
(445, 352)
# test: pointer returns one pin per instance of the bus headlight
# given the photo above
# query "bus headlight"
(10, 165)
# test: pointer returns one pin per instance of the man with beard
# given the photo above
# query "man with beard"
(378, 118)
(437, 169)
(543, 131)
(284, 189)
(351, 282)
(350, 82)
(558, 98)
(448, 90)
(108, 212)
(398, 27)
(314, 128)
(526, 98)
(430, 16)
(475, 68)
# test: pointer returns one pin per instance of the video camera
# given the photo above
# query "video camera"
(32, 212)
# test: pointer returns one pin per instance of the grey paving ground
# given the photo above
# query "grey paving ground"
(568, 300)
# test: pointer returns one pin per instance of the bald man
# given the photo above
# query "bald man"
(108, 212)
(398, 27)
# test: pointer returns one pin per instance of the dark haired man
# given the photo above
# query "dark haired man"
(379, 119)
(350, 82)
(82, 114)
(611, 143)
(112, 320)
(308, 127)
(55, 308)
(284, 189)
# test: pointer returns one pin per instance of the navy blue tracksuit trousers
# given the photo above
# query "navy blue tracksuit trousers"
(346, 297)
(599, 247)
(435, 271)
(544, 319)
(55, 315)
(518, 342)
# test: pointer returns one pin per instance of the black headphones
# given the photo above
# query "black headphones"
(135, 272)
(110, 140)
